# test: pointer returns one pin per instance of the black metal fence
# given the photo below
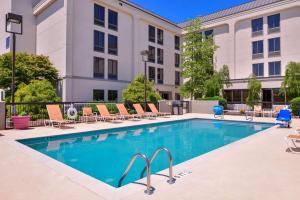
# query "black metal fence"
(38, 111)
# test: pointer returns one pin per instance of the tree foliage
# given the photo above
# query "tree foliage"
(28, 68)
(291, 83)
(36, 91)
(254, 90)
(197, 66)
(135, 91)
(215, 85)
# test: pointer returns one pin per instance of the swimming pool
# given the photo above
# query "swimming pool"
(105, 154)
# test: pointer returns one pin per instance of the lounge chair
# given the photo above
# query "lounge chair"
(277, 109)
(139, 110)
(106, 116)
(155, 111)
(284, 118)
(56, 117)
(218, 111)
(292, 139)
(124, 113)
(87, 115)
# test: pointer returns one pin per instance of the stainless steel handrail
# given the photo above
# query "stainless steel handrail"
(149, 188)
(171, 178)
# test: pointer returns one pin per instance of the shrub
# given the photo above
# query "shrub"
(295, 105)
(222, 101)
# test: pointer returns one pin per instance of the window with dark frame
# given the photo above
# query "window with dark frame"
(257, 25)
(112, 69)
(274, 45)
(177, 78)
(112, 20)
(151, 74)
(151, 56)
(112, 44)
(258, 69)
(98, 41)
(98, 95)
(160, 36)
(209, 33)
(177, 60)
(177, 42)
(112, 95)
(160, 75)
(98, 67)
(274, 21)
(275, 68)
(258, 47)
(151, 33)
(160, 56)
(99, 15)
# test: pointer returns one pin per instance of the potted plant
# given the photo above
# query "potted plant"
(21, 121)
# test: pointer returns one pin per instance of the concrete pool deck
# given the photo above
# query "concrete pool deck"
(256, 167)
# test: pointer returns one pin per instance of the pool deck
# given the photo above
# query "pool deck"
(256, 167)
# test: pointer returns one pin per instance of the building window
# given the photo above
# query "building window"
(258, 69)
(113, 69)
(112, 95)
(177, 60)
(177, 42)
(258, 49)
(151, 32)
(98, 95)
(209, 33)
(177, 78)
(274, 21)
(151, 74)
(275, 68)
(257, 25)
(237, 96)
(160, 76)
(7, 42)
(151, 56)
(160, 36)
(274, 46)
(112, 20)
(98, 41)
(160, 56)
(99, 15)
(98, 67)
(112, 45)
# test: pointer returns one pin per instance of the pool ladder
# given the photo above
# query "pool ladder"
(147, 168)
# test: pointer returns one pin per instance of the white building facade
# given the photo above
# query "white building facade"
(96, 45)
(260, 37)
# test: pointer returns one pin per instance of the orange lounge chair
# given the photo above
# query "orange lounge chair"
(56, 117)
(155, 111)
(105, 113)
(139, 110)
(124, 113)
(87, 115)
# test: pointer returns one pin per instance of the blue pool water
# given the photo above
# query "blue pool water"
(105, 154)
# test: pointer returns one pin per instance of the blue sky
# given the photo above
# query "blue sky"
(181, 10)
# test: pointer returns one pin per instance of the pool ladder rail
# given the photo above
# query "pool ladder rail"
(147, 168)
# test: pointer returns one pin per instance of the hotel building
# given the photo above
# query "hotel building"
(96, 44)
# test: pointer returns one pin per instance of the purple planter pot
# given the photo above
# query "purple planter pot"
(20, 122)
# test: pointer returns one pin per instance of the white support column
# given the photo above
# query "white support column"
(2, 115)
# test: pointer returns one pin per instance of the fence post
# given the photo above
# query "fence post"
(2, 115)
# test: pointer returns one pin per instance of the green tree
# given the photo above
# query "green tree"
(215, 85)
(197, 66)
(135, 91)
(291, 83)
(254, 90)
(37, 91)
(28, 68)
